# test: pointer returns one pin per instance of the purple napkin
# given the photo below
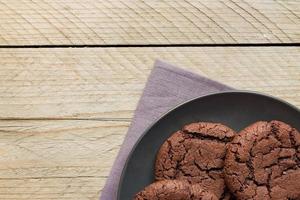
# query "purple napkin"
(167, 86)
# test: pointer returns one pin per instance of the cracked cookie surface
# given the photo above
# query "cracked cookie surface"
(196, 154)
(263, 161)
(174, 190)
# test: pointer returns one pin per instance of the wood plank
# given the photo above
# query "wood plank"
(57, 159)
(75, 22)
(97, 83)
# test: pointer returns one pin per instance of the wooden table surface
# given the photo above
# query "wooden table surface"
(71, 73)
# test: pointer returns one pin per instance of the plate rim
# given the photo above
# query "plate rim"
(186, 102)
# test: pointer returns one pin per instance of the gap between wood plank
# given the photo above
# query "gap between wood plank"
(155, 45)
(51, 177)
(64, 118)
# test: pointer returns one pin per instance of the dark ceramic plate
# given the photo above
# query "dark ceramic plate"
(235, 109)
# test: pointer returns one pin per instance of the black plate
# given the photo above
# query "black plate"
(235, 109)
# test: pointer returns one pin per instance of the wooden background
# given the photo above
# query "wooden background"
(71, 73)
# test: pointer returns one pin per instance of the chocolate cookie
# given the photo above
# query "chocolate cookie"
(263, 162)
(196, 154)
(174, 190)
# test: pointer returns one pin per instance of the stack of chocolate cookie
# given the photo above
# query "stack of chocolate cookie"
(210, 161)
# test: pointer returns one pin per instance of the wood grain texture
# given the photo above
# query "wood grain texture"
(64, 112)
(57, 159)
(106, 83)
(71, 22)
